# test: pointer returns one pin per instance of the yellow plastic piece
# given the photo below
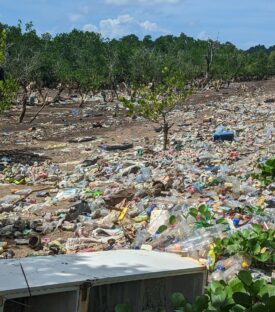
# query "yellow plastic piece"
(122, 214)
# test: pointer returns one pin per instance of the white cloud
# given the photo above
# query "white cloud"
(90, 27)
(203, 35)
(116, 27)
(122, 26)
(149, 26)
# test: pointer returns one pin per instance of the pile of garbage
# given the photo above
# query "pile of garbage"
(211, 197)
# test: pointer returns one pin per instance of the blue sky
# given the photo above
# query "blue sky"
(242, 22)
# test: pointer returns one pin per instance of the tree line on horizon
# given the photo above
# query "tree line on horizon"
(88, 63)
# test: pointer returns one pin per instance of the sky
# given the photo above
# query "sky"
(244, 23)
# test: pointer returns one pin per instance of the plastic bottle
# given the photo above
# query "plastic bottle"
(49, 227)
(228, 274)
(227, 263)
(231, 272)
(217, 275)
(196, 242)
(247, 226)
(158, 218)
(9, 199)
(218, 230)
(144, 175)
(22, 192)
(67, 194)
(247, 189)
(74, 243)
(141, 237)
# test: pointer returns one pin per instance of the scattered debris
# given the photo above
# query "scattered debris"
(214, 182)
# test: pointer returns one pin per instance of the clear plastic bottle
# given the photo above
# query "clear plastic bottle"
(217, 275)
(218, 230)
(22, 192)
(227, 263)
(74, 243)
(141, 237)
(232, 271)
(49, 227)
(196, 242)
(144, 175)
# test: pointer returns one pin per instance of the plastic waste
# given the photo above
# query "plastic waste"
(67, 194)
(224, 135)
(227, 274)
(158, 218)
(141, 236)
(144, 175)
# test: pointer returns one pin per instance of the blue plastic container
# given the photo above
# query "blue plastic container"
(224, 136)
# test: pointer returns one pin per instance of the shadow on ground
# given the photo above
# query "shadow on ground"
(22, 156)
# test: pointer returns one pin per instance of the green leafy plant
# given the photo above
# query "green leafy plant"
(172, 222)
(123, 308)
(155, 101)
(204, 216)
(256, 243)
(3, 38)
(251, 210)
(240, 294)
(267, 172)
(7, 91)
(180, 303)
(7, 86)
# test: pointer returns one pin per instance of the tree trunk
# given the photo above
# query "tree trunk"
(165, 135)
(45, 103)
(209, 59)
(103, 93)
(24, 108)
(81, 99)
(116, 96)
(57, 97)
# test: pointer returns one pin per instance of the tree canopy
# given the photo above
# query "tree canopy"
(7, 85)
(88, 62)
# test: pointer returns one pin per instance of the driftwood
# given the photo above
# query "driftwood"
(29, 193)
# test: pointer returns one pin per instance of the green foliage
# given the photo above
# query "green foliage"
(24, 55)
(3, 38)
(251, 210)
(204, 217)
(172, 219)
(267, 172)
(155, 101)
(178, 300)
(86, 62)
(256, 243)
(161, 229)
(123, 308)
(7, 86)
(239, 294)
(70, 57)
(80, 60)
(7, 90)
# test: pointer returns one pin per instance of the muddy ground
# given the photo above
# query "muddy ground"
(58, 123)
